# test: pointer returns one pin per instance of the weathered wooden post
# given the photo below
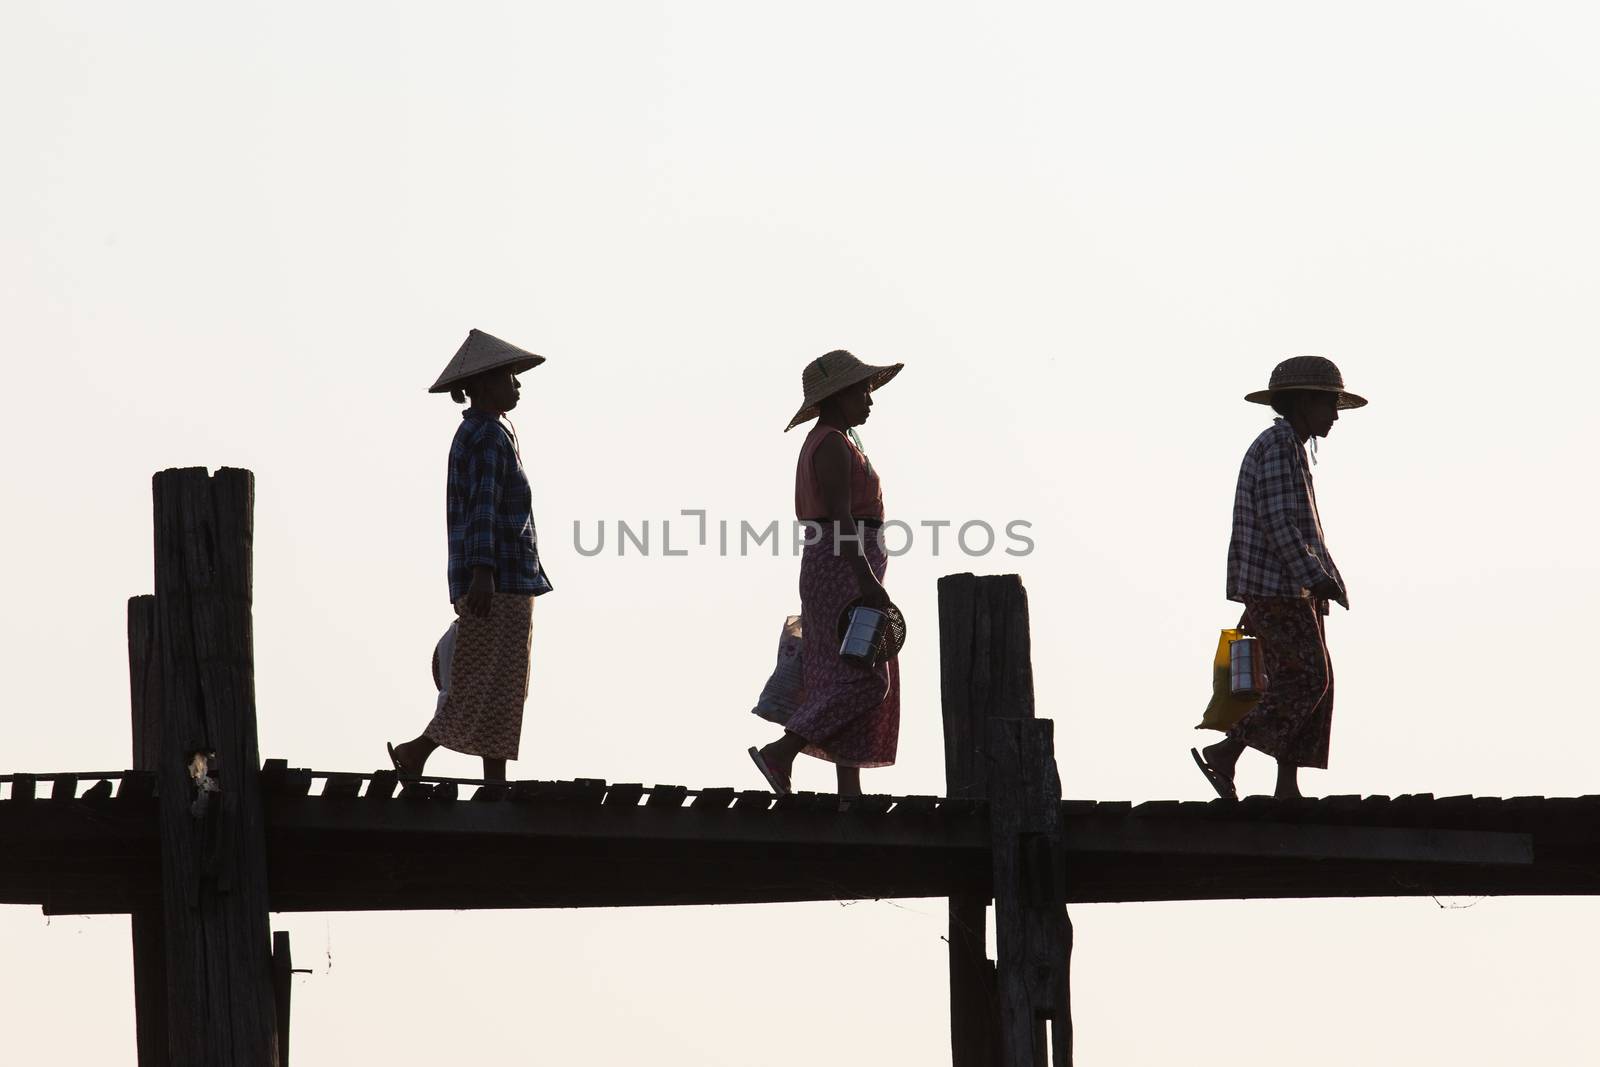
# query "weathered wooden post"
(196, 728)
(986, 677)
(149, 938)
(1033, 935)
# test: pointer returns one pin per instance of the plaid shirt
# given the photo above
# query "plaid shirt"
(489, 510)
(1277, 547)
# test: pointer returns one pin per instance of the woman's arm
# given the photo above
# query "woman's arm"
(831, 463)
(483, 494)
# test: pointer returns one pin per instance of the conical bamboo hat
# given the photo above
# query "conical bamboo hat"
(481, 352)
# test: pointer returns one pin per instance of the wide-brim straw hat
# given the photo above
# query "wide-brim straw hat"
(834, 373)
(1307, 374)
(481, 352)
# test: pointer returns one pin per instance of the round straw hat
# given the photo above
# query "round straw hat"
(481, 352)
(1310, 374)
(834, 373)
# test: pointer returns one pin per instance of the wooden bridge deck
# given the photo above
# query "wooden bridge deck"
(362, 842)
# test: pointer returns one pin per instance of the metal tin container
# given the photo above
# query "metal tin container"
(1247, 677)
(864, 636)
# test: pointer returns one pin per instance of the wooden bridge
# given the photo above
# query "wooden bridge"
(200, 841)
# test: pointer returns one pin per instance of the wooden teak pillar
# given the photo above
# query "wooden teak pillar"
(201, 739)
(1033, 935)
(986, 677)
(148, 925)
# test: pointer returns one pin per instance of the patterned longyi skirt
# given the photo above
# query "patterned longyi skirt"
(851, 714)
(484, 683)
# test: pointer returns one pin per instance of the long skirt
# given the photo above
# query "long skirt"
(483, 680)
(851, 714)
(1294, 719)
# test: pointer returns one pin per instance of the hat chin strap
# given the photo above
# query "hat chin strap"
(1313, 450)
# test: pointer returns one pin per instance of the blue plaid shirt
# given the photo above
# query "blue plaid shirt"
(489, 509)
(1277, 547)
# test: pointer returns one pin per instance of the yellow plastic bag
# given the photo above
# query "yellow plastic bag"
(1225, 709)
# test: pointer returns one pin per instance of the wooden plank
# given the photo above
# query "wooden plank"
(752, 801)
(23, 787)
(715, 799)
(274, 775)
(342, 785)
(915, 805)
(64, 789)
(667, 796)
(871, 804)
(588, 791)
(623, 795)
(214, 877)
(381, 785)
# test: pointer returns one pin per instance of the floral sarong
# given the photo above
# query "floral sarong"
(485, 683)
(1294, 720)
(851, 714)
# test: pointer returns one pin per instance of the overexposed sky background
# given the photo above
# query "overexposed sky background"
(252, 234)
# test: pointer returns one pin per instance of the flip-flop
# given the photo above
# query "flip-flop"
(1224, 786)
(778, 786)
(399, 768)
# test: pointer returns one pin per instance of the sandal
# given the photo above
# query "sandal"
(778, 785)
(1223, 785)
(399, 767)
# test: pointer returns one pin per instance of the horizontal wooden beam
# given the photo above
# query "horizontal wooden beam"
(356, 845)
(1122, 836)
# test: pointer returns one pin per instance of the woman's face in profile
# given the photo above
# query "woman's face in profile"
(855, 404)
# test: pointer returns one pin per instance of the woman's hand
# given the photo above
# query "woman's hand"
(873, 594)
(1327, 589)
(481, 592)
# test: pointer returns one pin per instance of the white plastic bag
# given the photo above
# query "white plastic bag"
(786, 689)
(443, 652)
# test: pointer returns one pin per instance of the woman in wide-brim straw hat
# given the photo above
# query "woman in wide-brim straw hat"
(850, 715)
(1280, 568)
(481, 665)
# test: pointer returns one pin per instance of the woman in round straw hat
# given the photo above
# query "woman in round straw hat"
(481, 664)
(1280, 568)
(850, 715)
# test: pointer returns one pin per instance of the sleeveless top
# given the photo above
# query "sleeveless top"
(866, 492)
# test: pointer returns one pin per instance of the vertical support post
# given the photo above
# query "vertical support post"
(213, 845)
(1032, 931)
(986, 671)
(282, 987)
(149, 945)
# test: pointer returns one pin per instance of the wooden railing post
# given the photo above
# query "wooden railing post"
(985, 672)
(219, 996)
(1033, 935)
(149, 937)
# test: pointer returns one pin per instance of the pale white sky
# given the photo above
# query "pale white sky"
(252, 234)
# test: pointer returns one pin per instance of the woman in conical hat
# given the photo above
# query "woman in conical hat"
(1280, 568)
(850, 715)
(481, 666)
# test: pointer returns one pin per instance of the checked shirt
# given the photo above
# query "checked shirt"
(489, 511)
(1277, 547)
